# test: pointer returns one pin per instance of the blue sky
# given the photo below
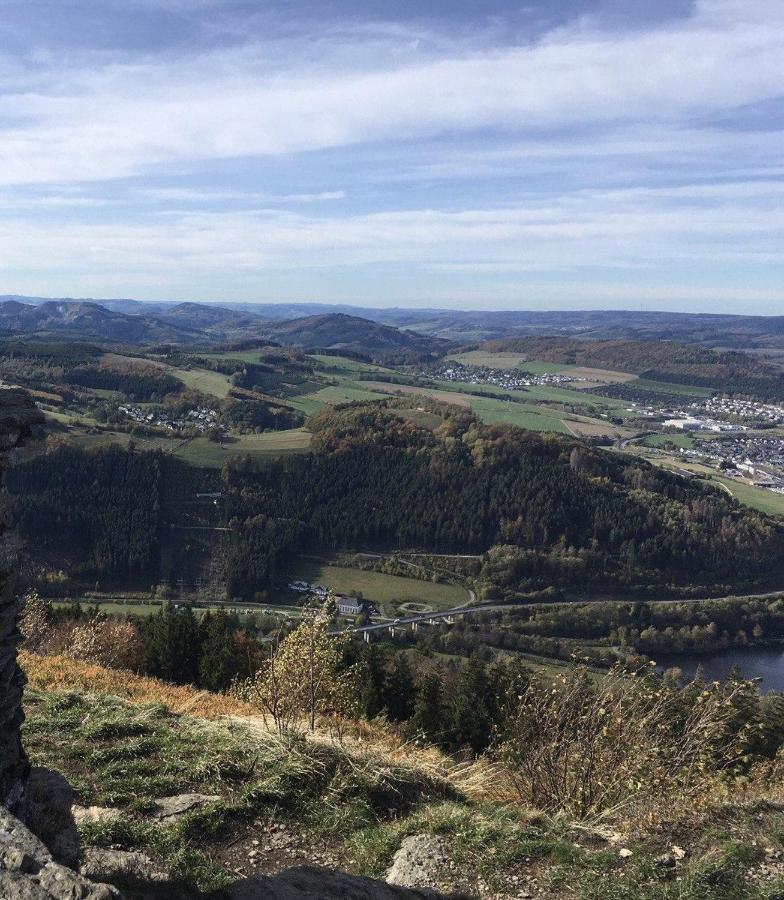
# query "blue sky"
(542, 154)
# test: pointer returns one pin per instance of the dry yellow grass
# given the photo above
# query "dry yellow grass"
(59, 674)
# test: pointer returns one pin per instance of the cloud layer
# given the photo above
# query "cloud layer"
(647, 155)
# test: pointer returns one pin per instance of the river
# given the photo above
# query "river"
(766, 663)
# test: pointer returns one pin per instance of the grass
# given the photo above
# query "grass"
(524, 416)
(205, 381)
(661, 440)
(201, 451)
(755, 497)
(118, 609)
(666, 387)
(748, 494)
(509, 361)
(58, 673)
(125, 756)
(380, 587)
(347, 392)
(345, 364)
(361, 798)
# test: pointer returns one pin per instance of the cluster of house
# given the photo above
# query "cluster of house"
(347, 606)
(509, 379)
(724, 414)
(760, 459)
(760, 413)
(202, 418)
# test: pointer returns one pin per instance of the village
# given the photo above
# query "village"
(509, 379)
(200, 419)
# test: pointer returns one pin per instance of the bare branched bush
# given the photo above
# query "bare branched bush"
(35, 621)
(599, 748)
(106, 642)
(302, 679)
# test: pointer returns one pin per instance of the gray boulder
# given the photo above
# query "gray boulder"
(306, 882)
(50, 816)
(421, 862)
(29, 872)
(169, 809)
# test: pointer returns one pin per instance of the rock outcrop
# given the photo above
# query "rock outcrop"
(18, 416)
(29, 872)
(305, 882)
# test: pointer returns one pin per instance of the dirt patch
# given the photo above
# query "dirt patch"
(596, 429)
(116, 362)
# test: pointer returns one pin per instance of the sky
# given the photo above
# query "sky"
(478, 154)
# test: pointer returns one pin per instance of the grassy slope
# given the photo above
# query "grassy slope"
(214, 383)
(350, 805)
(201, 451)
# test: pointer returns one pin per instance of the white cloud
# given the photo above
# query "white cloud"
(122, 120)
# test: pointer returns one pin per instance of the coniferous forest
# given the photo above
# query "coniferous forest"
(540, 510)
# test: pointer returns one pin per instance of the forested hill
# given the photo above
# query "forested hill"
(725, 371)
(550, 511)
(541, 510)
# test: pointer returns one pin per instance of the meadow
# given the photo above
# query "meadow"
(201, 451)
(379, 587)
(214, 383)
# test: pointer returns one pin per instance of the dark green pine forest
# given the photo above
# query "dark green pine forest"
(541, 510)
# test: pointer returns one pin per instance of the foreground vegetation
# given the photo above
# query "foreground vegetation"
(349, 802)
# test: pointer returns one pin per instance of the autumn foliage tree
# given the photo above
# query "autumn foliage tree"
(303, 679)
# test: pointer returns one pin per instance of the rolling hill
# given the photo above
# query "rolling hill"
(338, 331)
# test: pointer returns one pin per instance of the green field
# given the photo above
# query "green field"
(755, 497)
(348, 392)
(345, 364)
(524, 416)
(205, 381)
(380, 588)
(509, 361)
(201, 451)
(544, 393)
(665, 387)
(420, 417)
(660, 440)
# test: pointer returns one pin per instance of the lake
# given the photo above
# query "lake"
(766, 663)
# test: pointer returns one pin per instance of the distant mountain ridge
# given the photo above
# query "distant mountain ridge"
(194, 322)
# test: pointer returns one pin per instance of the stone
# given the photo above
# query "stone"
(678, 852)
(170, 809)
(122, 868)
(665, 861)
(18, 413)
(50, 801)
(29, 872)
(420, 862)
(95, 814)
(325, 884)
(625, 853)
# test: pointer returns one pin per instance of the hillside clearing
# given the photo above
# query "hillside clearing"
(379, 587)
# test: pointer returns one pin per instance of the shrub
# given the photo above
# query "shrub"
(106, 642)
(303, 678)
(600, 747)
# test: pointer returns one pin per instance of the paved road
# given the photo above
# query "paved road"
(405, 621)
